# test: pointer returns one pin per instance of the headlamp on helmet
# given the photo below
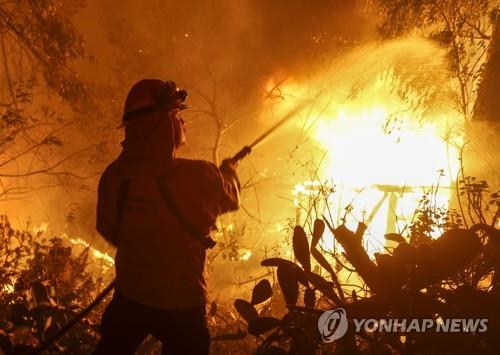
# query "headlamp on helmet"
(167, 96)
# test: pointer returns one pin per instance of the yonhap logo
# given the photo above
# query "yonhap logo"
(332, 324)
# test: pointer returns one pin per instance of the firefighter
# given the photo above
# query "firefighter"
(158, 210)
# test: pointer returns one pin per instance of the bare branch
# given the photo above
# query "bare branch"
(49, 170)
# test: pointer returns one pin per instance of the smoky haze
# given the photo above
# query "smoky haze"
(225, 53)
(234, 45)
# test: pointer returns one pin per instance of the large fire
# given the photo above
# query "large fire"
(378, 177)
(378, 154)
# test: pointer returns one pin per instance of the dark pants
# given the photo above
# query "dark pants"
(126, 323)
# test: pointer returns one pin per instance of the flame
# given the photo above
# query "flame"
(107, 260)
(42, 228)
(8, 288)
(377, 176)
(98, 270)
(379, 153)
(361, 154)
(245, 254)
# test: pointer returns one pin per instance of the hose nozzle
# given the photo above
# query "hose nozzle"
(246, 150)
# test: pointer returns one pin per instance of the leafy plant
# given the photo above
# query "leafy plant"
(452, 276)
(44, 284)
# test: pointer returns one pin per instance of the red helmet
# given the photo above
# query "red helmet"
(153, 95)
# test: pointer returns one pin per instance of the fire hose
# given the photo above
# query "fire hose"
(244, 152)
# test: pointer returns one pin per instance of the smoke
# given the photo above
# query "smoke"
(481, 153)
(237, 44)
(229, 55)
(223, 52)
(227, 48)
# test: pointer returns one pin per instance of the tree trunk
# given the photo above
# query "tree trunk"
(487, 105)
(481, 153)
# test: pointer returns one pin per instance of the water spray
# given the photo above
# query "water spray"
(246, 150)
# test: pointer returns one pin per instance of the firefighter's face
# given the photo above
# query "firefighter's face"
(178, 128)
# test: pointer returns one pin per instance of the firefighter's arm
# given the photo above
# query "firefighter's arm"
(106, 218)
(228, 187)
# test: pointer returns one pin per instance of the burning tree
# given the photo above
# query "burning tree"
(466, 27)
(469, 29)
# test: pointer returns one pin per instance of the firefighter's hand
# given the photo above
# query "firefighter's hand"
(228, 169)
(229, 165)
